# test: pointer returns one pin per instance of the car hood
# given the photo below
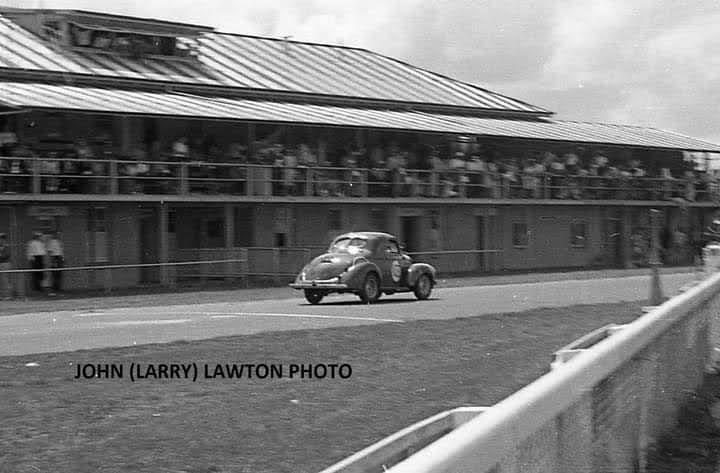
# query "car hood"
(329, 265)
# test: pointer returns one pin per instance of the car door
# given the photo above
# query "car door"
(393, 268)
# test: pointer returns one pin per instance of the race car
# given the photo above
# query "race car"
(367, 264)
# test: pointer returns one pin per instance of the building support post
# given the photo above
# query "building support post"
(656, 295)
(625, 238)
(164, 246)
(18, 281)
(229, 240)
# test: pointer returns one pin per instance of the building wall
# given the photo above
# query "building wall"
(460, 227)
(549, 236)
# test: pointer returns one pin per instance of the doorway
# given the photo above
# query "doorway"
(149, 251)
(411, 233)
(611, 243)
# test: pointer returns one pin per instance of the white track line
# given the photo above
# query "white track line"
(223, 315)
(147, 322)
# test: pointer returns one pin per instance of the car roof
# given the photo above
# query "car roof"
(368, 235)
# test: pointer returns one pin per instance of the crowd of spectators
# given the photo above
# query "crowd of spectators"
(267, 167)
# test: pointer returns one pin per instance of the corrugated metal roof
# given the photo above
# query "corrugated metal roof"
(103, 100)
(263, 64)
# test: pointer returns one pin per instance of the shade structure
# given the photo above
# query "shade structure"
(260, 64)
(135, 102)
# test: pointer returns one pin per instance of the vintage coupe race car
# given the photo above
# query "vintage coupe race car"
(367, 264)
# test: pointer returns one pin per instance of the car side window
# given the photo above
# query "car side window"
(392, 248)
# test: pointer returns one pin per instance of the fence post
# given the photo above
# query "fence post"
(21, 284)
(184, 187)
(250, 181)
(244, 266)
(114, 185)
(108, 280)
(36, 184)
(276, 265)
(309, 182)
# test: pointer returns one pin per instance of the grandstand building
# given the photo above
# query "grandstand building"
(145, 141)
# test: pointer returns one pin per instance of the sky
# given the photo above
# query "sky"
(640, 62)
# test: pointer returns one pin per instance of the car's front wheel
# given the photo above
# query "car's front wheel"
(313, 296)
(423, 287)
(370, 291)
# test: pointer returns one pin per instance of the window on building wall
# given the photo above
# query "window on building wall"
(578, 234)
(280, 240)
(172, 221)
(520, 234)
(215, 229)
(97, 235)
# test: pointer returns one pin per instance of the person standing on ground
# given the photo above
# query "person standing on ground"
(57, 260)
(36, 254)
(5, 288)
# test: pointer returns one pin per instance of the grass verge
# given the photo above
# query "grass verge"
(401, 373)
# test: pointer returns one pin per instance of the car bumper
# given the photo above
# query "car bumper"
(319, 285)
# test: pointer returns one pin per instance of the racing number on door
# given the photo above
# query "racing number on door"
(393, 263)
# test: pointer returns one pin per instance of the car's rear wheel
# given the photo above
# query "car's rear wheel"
(313, 296)
(370, 291)
(423, 287)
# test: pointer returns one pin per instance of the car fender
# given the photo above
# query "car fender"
(356, 275)
(417, 269)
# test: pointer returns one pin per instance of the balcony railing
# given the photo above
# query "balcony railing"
(111, 177)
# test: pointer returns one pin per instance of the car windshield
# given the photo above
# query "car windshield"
(348, 245)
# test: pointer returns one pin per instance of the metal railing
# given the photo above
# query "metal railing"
(55, 175)
(169, 274)
(271, 264)
(600, 409)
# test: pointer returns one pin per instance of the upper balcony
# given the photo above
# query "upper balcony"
(33, 178)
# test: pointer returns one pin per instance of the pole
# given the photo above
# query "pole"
(656, 295)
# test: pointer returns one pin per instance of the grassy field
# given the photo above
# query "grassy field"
(401, 373)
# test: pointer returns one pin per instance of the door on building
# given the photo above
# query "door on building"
(149, 243)
(611, 242)
(244, 229)
(411, 233)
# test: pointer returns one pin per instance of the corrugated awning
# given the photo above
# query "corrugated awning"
(103, 100)
(260, 64)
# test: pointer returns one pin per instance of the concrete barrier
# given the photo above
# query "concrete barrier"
(600, 408)
(378, 457)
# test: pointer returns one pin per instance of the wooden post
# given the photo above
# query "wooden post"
(656, 295)
(108, 280)
(229, 239)
(114, 184)
(276, 265)
(36, 183)
(309, 182)
(244, 266)
(164, 244)
(184, 184)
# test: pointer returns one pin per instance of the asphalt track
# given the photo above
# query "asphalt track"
(69, 330)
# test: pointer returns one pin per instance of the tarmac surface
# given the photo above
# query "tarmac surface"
(41, 326)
